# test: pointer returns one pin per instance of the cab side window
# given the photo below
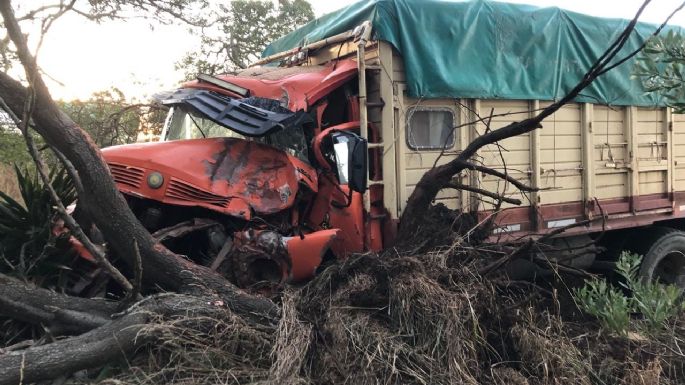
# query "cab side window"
(430, 128)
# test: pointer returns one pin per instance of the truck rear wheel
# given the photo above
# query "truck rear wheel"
(663, 253)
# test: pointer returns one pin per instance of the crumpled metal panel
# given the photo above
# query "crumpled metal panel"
(250, 176)
(297, 90)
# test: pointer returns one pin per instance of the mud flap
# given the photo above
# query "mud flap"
(306, 253)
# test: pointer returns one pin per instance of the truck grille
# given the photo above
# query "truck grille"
(127, 175)
(186, 192)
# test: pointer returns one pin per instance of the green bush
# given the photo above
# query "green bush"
(607, 303)
(656, 302)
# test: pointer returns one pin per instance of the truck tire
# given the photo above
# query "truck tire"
(663, 252)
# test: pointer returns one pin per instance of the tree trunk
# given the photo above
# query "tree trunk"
(113, 340)
(59, 313)
(102, 201)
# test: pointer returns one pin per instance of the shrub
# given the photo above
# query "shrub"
(25, 226)
(607, 303)
(654, 301)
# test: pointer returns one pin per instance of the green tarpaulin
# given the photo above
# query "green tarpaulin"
(490, 50)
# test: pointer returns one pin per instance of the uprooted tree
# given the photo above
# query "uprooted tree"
(101, 331)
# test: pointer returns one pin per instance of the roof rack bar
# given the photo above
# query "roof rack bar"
(347, 35)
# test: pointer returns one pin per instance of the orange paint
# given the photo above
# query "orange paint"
(229, 175)
(307, 253)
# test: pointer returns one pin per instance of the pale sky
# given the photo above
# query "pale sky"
(86, 57)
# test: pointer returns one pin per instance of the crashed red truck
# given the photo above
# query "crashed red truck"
(253, 176)
(312, 154)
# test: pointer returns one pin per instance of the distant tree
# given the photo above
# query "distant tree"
(240, 32)
(111, 119)
(661, 68)
(12, 147)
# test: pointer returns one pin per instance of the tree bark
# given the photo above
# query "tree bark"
(110, 342)
(116, 339)
(59, 313)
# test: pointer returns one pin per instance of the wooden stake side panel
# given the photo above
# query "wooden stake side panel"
(610, 152)
(561, 156)
(511, 156)
(652, 151)
(631, 159)
(679, 152)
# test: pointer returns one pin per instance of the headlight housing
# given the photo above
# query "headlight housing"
(155, 180)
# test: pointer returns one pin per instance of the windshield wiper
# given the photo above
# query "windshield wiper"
(197, 125)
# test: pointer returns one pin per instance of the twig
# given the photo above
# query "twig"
(527, 246)
(134, 294)
(71, 170)
(524, 248)
(490, 194)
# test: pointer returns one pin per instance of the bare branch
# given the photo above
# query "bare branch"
(490, 194)
(493, 172)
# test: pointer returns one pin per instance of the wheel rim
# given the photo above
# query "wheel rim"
(671, 269)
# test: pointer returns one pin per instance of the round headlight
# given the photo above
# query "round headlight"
(155, 180)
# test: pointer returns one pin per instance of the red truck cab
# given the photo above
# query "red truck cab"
(260, 175)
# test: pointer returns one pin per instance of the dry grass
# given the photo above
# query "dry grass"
(411, 320)
(8, 181)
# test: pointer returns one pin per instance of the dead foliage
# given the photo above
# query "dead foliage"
(420, 319)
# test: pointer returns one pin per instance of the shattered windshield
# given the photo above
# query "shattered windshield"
(183, 123)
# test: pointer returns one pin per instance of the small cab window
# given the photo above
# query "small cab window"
(430, 128)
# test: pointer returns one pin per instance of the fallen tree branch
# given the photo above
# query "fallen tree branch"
(102, 201)
(113, 340)
(506, 177)
(58, 312)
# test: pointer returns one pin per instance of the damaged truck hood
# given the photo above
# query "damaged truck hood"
(233, 176)
(297, 88)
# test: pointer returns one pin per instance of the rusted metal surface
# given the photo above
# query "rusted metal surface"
(259, 260)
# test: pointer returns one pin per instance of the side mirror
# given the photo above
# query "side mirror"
(351, 152)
